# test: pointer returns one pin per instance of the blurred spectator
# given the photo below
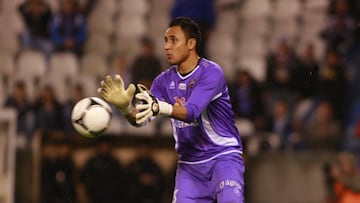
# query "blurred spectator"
(48, 111)
(332, 82)
(345, 178)
(323, 131)
(307, 73)
(103, 176)
(344, 8)
(68, 28)
(37, 16)
(280, 67)
(352, 129)
(280, 122)
(147, 178)
(77, 95)
(202, 12)
(246, 96)
(19, 101)
(86, 6)
(146, 65)
(338, 35)
(57, 176)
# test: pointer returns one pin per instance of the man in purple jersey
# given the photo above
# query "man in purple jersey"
(194, 94)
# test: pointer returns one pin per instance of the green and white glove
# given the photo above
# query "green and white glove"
(113, 91)
(149, 106)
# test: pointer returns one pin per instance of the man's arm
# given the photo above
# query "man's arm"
(178, 112)
(151, 106)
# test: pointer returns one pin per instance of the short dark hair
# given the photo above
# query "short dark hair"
(190, 28)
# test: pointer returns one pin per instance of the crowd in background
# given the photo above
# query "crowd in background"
(300, 91)
(304, 103)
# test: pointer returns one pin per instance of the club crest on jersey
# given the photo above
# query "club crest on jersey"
(172, 85)
(182, 86)
(179, 101)
(191, 84)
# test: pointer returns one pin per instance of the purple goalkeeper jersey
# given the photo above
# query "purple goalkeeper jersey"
(209, 130)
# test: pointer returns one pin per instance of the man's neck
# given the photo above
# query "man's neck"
(188, 65)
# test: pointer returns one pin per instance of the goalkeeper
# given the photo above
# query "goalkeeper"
(194, 94)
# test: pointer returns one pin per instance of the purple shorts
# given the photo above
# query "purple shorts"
(219, 180)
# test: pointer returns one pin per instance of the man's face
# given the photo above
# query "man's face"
(176, 45)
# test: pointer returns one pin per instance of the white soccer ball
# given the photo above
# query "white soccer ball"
(91, 116)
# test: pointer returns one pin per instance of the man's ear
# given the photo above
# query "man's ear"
(192, 43)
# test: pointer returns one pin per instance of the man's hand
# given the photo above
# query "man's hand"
(148, 106)
(113, 91)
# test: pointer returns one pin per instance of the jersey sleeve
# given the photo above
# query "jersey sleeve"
(156, 88)
(209, 88)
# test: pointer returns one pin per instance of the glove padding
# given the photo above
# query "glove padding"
(148, 106)
(113, 91)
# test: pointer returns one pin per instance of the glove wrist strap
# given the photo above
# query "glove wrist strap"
(165, 108)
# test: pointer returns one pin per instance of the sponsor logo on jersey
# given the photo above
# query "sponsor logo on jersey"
(172, 85)
(182, 124)
(182, 86)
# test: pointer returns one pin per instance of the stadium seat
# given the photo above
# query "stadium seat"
(13, 21)
(7, 65)
(285, 9)
(94, 65)
(98, 44)
(3, 95)
(54, 5)
(61, 87)
(31, 64)
(10, 6)
(160, 6)
(100, 25)
(64, 65)
(110, 7)
(7, 71)
(130, 26)
(285, 28)
(254, 27)
(222, 44)
(139, 7)
(245, 127)
(9, 42)
(227, 21)
(252, 46)
(316, 5)
(31, 67)
(256, 9)
(255, 65)
(89, 84)
(226, 3)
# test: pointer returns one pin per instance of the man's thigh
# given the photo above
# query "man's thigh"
(190, 188)
(228, 180)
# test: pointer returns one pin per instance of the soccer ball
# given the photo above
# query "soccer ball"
(91, 116)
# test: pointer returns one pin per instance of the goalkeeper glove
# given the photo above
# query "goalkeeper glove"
(113, 91)
(149, 105)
